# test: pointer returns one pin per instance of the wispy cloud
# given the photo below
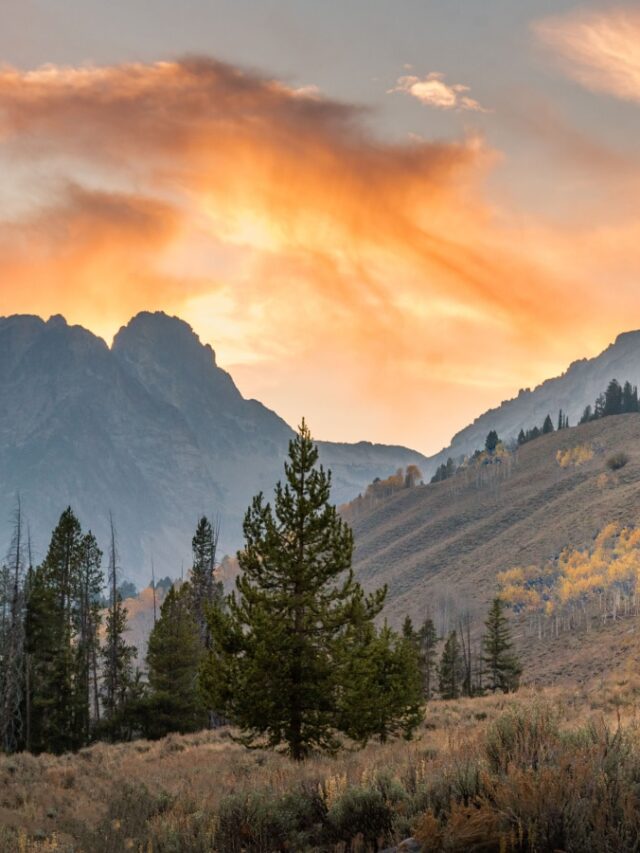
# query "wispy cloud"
(433, 91)
(600, 50)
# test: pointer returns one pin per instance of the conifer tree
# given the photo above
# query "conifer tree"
(587, 415)
(451, 669)
(492, 441)
(382, 684)
(629, 398)
(522, 438)
(501, 665)
(428, 646)
(547, 426)
(90, 585)
(174, 656)
(206, 591)
(281, 649)
(51, 629)
(613, 399)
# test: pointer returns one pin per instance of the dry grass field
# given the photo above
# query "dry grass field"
(541, 770)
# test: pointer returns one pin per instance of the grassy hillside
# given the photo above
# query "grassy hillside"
(439, 547)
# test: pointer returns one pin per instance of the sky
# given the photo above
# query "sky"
(384, 215)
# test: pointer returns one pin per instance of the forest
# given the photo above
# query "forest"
(70, 677)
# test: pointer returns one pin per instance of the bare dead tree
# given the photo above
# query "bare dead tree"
(13, 663)
(153, 587)
(464, 629)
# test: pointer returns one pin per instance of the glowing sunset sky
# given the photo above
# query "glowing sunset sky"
(386, 216)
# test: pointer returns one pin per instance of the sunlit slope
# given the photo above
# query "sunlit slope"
(449, 540)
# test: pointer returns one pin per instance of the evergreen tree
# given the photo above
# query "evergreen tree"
(547, 426)
(451, 669)
(282, 648)
(444, 471)
(428, 645)
(500, 664)
(587, 415)
(613, 398)
(174, 656)
(206, 591)
(492, 441)
(90, 584)
(629, 398)
(522, 437)
(51, 629)
(382, 692)
(599, 409)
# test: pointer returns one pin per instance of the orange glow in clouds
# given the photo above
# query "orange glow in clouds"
(364, 283)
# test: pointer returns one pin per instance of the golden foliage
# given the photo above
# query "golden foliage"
(607, 572)
(574, 456)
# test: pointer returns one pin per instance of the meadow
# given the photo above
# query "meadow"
(540, 770)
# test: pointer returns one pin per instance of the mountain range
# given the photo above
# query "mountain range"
(154, 431)
(149, 429)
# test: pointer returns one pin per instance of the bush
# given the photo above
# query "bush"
(361, 812)
(251, 822)
(617, 461)
(126, 823)
(260, 822)
(523, 737)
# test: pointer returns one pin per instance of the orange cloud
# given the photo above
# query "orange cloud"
(366, 283)
(600, 50)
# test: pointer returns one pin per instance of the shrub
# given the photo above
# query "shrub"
(617, 461)
(251, 822)
(364, 813)
(125, 825)
(524, 737)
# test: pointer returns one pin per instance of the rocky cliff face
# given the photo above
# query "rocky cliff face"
(151, 429)
(571, 392)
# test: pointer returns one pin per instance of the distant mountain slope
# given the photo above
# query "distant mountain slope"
(151, 429)
(571, 392)
(439, 547)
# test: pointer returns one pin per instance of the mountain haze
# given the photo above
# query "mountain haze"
(150, 429)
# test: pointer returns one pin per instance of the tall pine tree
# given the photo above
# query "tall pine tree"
(280, 651)
(89, 591)
(51, 629)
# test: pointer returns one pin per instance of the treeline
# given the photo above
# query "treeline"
(381, 489)
(465, 667)
(494, 452)
(616, 400)
(294, 657)
(547, 427)
(67, 674)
